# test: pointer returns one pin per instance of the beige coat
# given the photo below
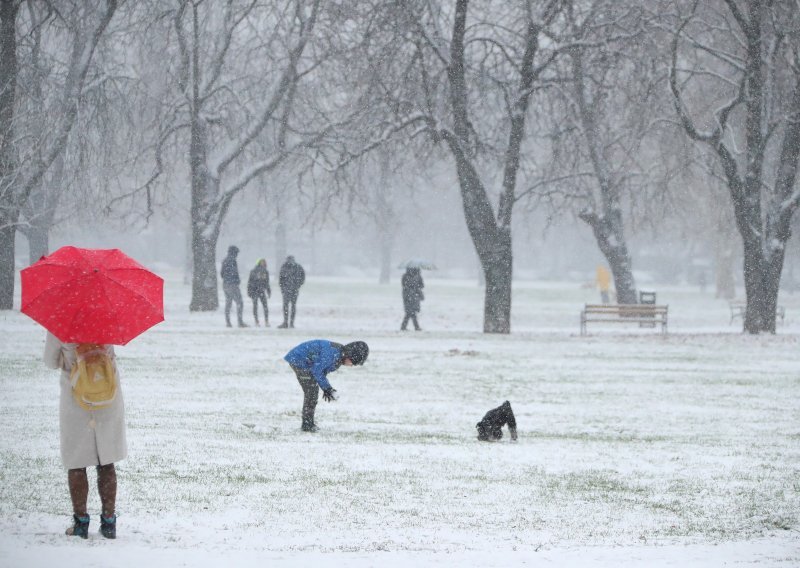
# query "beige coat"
(88, 437)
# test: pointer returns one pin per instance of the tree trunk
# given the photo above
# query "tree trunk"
(9, 212)
(608, 234)
(41, 210)
(497, 298)
(606, 225)
(492, 243)
(756, 317)
(7, 251)
(37, 230)
(38, 242)
(205, 295)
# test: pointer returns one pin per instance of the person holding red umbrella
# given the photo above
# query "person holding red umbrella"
(88, 438)
(90, 300)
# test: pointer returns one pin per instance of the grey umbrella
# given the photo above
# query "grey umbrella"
(418, 263)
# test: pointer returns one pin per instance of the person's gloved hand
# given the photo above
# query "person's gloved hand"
(513, 434)
(329, 394)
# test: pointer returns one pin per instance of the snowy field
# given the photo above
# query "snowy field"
(634, 449)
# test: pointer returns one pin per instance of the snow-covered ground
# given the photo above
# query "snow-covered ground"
(635, 449)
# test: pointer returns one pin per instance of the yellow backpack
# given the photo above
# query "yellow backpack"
(93, 376)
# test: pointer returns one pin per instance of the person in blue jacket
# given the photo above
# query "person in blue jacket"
(311, 362)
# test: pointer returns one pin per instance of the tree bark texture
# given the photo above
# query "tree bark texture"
(763, 214)
(491, 235)
(605, 218)
(9, 211)
(17, 182)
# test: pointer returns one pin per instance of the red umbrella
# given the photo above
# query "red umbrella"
(92, 295)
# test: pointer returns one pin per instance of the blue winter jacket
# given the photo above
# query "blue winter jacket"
(319, 357)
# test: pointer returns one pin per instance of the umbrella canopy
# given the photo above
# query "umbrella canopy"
(92, 295)
(418, 263)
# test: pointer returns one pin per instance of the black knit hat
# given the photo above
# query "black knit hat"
(357, 352)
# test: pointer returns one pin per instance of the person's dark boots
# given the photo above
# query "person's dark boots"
(80, 526)
(283, 326)
(108, 526)
(310, 428)
(242, 324)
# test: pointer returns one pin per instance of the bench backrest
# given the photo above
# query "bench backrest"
(626, 309)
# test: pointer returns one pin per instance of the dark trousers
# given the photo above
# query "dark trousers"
(410, 316)
(310, 396)
(233, 294)
(263, 298)
(289, 306)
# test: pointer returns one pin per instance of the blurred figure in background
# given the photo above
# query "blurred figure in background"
(258, 289)
(292, 276)
(603, 279)
(230, 286)
(412, 296)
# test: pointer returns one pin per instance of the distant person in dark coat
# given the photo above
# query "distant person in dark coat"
(412, 296)
(490, 428)
(311, 362)
(258, 289)
(292, 276)
(230, 285)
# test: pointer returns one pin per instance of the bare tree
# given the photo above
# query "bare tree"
(746, 53)
(496, 60)
(226, 110)
(26, 156)
(609, 113)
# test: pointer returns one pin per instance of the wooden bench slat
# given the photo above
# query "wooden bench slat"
(625, 313)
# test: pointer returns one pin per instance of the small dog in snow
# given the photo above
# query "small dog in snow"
(490, 428)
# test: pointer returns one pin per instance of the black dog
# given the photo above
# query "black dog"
(490, 428)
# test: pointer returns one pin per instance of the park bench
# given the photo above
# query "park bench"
(646, 315)
(738, 309)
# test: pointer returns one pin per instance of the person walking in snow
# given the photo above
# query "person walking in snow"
(291, 277)
(88, 438)
(412, 296)
(311, 362)
(230, 286)
(258, 289)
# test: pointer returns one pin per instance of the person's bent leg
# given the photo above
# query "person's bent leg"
(310, 398)
(255, 310)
